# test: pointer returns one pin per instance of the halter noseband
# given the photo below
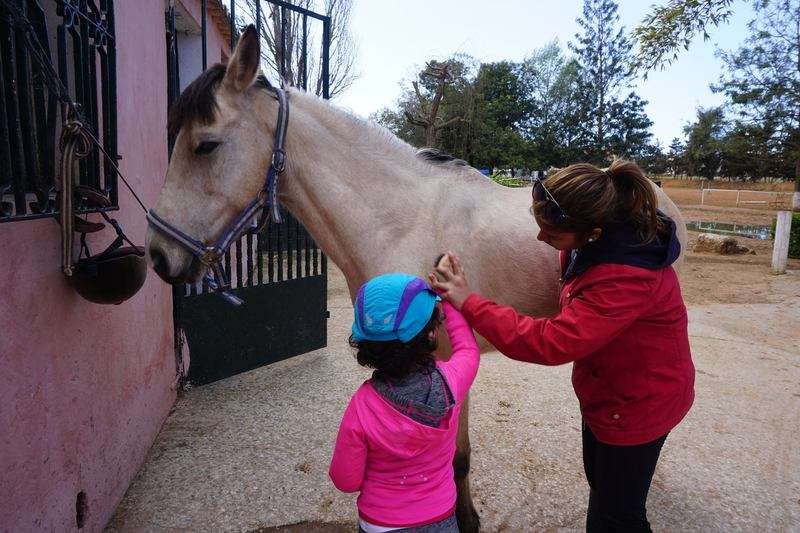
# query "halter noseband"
(266, 202)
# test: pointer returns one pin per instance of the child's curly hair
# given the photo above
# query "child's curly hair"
(397, 359)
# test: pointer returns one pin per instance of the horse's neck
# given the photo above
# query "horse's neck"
(370, 204)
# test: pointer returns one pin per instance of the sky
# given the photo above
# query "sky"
(396, 37)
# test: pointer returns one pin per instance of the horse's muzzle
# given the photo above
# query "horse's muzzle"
(172, 264)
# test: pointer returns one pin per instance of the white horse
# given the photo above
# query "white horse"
(367, 200)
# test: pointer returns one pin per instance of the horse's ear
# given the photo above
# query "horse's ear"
(243, 66)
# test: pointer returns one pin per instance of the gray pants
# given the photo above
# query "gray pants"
(448, 525)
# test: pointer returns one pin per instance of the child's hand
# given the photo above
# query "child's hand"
(450, 281)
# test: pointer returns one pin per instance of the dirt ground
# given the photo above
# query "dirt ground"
(250, 453)
(709, 278)
(758, 201)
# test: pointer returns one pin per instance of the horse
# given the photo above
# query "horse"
(369, 202)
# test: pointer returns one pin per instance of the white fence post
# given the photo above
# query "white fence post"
(702, 196)
(737, 197)
(780, 248)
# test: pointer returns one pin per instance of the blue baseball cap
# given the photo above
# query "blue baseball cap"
(393, 307)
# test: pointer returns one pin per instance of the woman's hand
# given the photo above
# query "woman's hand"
(450, 281)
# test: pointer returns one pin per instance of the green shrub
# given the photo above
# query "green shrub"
(507, 181)
(794, 236)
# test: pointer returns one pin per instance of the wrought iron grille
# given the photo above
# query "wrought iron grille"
(76, 40)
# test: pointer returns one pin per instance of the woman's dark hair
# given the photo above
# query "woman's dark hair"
(596, 198)
(396, 359)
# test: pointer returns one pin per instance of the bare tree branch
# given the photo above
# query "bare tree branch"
(417, 121)
(275, 30)
(448, 122)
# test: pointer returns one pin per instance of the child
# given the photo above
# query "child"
(398, 435)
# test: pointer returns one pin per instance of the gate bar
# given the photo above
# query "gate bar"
(305, 52)
(249, 281)
(14, 115)
(301, 10)
(258, 20)
(233, 25)
(326, 43)
(203, 26)
(284, 23)
(238, 256)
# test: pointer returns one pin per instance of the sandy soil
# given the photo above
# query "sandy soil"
(709, 278)
(686, 196)
(669, 182)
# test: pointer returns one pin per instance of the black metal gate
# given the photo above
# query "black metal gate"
(280, 273)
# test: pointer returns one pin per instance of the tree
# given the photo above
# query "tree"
(452, 122)
(573, 137)
(676, 157)
(603, 53)
(674, 25)
(395, 121)
(748, 153)
(764, 77)
(501, 108)
(550, 110)
(762, 82)
(653, 159)
(343, 52)
(629, 128)
(554, 125)
(704, 146)
(474, 113)
(436, 77)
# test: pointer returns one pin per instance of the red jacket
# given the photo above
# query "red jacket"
(625, 328)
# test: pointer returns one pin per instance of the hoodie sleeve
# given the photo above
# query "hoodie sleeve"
(350, 453)
(462, 367)
(589, 321)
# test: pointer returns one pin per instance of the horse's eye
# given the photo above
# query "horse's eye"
(205, 147)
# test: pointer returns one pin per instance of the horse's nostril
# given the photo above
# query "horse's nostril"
(161, 267)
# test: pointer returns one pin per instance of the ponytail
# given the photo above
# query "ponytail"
(636, 198)
(597, 198)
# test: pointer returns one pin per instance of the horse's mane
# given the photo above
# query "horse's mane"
(440, 157)
(197, 102)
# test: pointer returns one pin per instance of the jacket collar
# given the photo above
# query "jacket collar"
(621, 244)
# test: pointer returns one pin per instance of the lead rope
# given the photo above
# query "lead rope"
(74, 145)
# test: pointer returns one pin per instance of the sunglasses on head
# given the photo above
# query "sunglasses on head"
(547, 206)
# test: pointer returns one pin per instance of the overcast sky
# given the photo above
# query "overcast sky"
(396, 37)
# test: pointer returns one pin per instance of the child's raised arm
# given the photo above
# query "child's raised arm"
(350, 453)
(462, 367)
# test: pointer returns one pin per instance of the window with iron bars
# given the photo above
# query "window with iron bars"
(54, 53)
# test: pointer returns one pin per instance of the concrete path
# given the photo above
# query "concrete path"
(251, 452)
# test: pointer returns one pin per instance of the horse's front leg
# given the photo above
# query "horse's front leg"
(468, 520)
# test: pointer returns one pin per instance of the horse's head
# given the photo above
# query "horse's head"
(222, 149)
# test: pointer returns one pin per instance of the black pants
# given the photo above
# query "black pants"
(619, 478)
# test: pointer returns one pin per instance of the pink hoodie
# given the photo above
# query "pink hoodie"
(404, 469)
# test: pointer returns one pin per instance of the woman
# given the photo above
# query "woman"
(622, 322)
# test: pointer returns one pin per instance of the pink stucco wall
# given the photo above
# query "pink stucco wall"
(84, 388)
